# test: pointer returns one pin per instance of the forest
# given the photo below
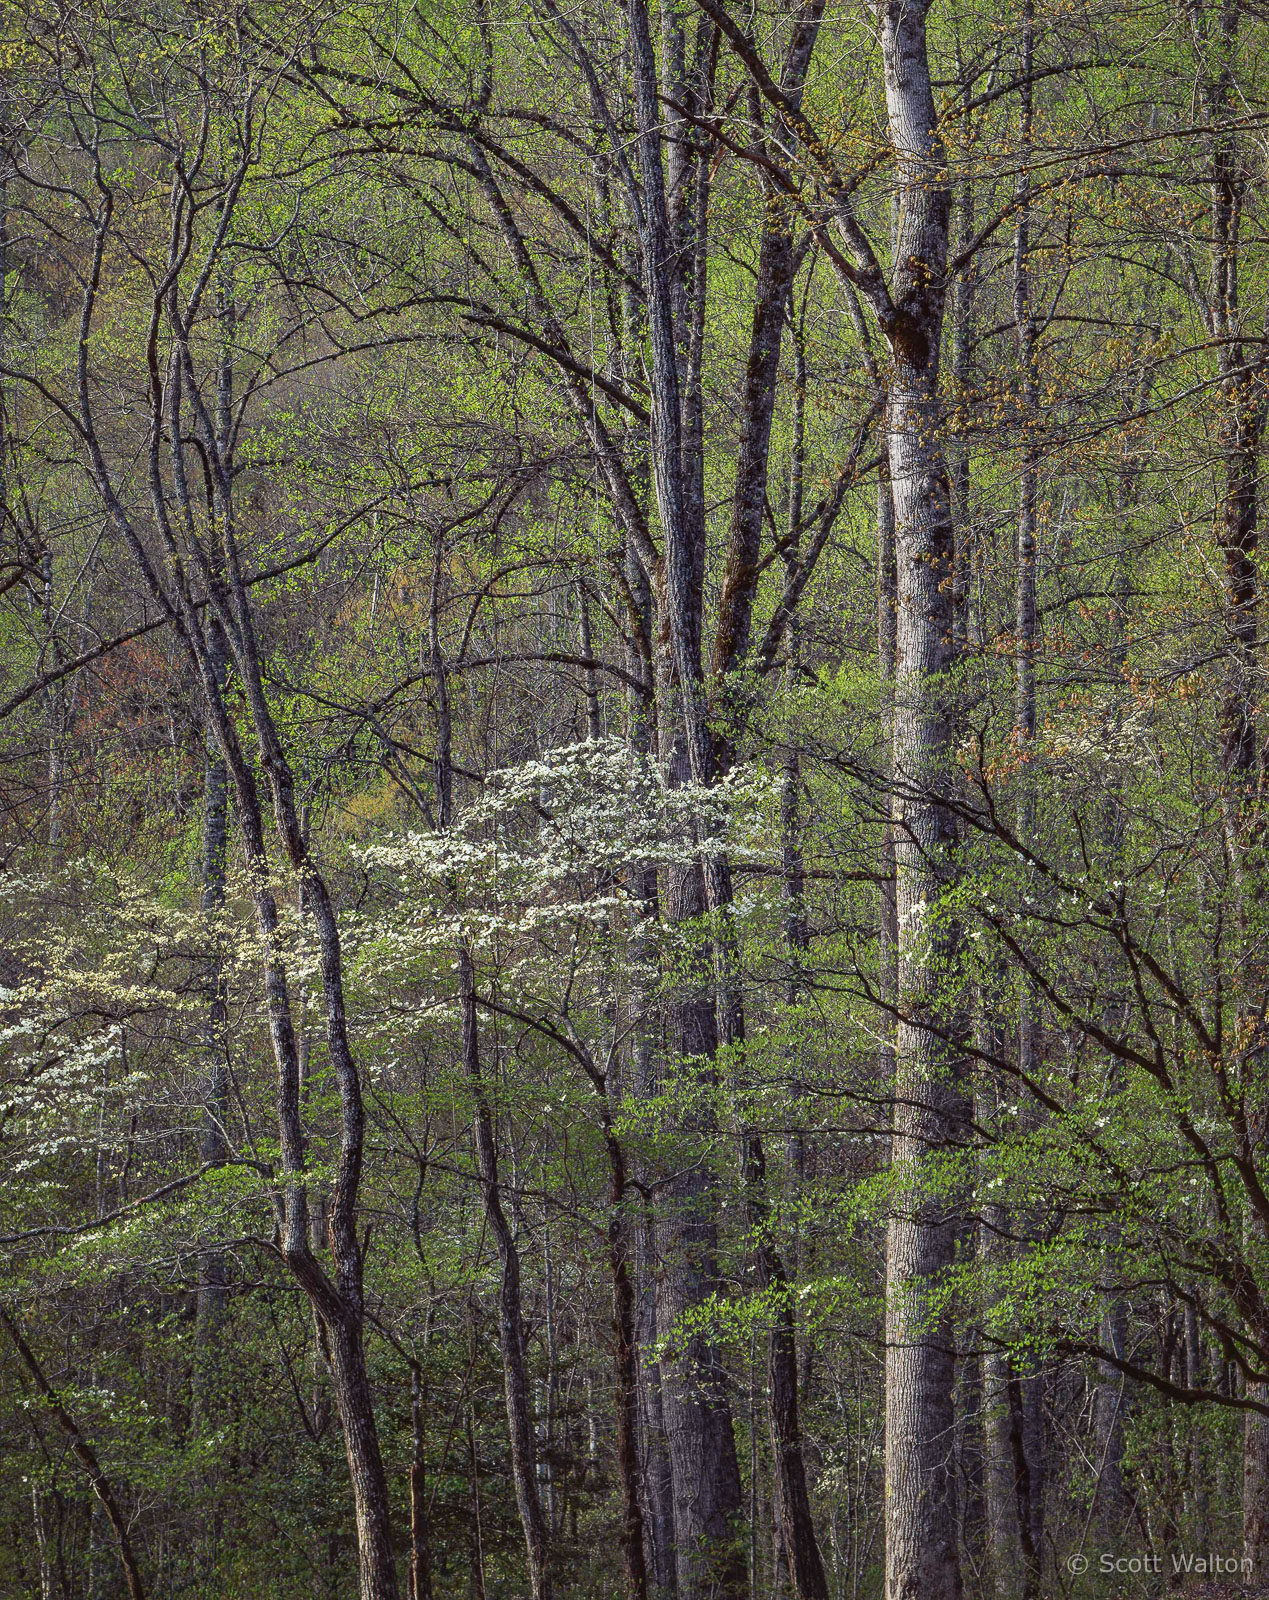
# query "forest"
(634, 800)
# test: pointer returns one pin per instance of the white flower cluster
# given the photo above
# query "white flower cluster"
(537, 878)
(589, 809)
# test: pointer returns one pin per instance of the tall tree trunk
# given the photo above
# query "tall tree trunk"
(1024, 1393)
(53, 699)
(625, 1332)
(1237, 532)
(709, 1557)
(887, 634)
(794, 1527)
(213, 1275)
(1111, 1503)
(654, 1456)
(979, 1510)
(515, 1364)
(921, 1528)
(657, 1472)
(420, 1541)
(922, 1560)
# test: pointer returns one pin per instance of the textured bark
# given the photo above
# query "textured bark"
(1023, 1394)
(984, 1512)
(887, 635)
(634, 1533)
(420, 1543)
(213, 1143)
(1237, 531)
(1256, 1485)
(515, 1366)
(1111, 1503)
(709, 1558)
(922, 1561)
(655, 1454)
(1032, 1455)
(778, 260)
(794, 1527)
(704, 1469)
(1003, 1531)
(795, 1524)
(654, 1447)
(627, 1372)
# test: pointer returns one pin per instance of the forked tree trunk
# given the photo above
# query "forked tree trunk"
(337, 1298)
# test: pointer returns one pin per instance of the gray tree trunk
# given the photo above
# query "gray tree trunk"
(922, 1559)
(213, 1143)
(709, 1556)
